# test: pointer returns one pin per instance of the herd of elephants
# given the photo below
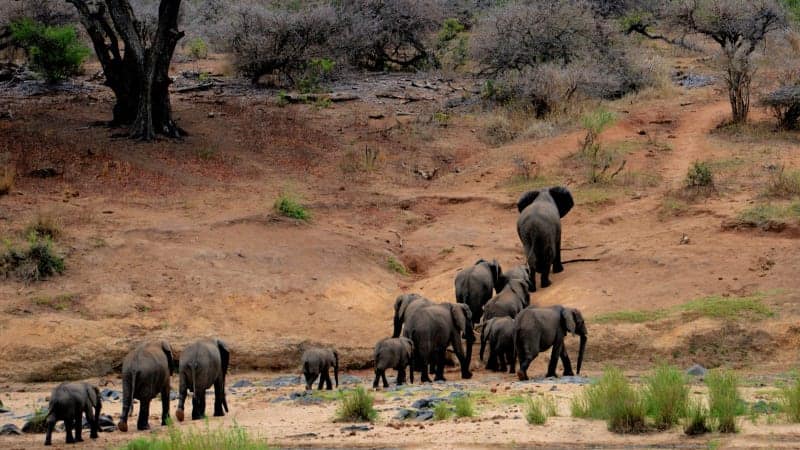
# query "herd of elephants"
(498, 302)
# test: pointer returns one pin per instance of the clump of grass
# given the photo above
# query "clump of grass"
(790, 401)
(666, 396)
(288, 205)
(45, 225)
(762, 214)
(442, 411)
(613, 399)
(729, 307)
(499, 130)
(464, 406)
(396, 266)
(35, 263)
(60, 302)
(234, 438)
(783, 184)
(538, 409)
(356, 406)
(699, 175)
(37, 423)
(723, 399)
(6, 180)
(631, 316)
(696, 419)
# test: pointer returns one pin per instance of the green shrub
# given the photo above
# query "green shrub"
(234, 438)
(37, 423)
(396, 266)
(288, 205)
(613, 399)
(723, 399)
(790, 401)
(696, 419)
(666, 396)
(198, 49)
(538, 409)
(598, 158)
(54, 52)
(45, 226)
(442, 411)
(699, 175)
(463, 406)
(37, 262)
(783, 183)
(449, 31)
(356, 406)
(317, 71)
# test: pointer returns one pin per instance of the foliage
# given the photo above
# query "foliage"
(666, 396)
(318, 70)
(723, 399)
(790, 401)
(783, 183)
(54, 51)
(356, 406)
(442, 411)
(696, 419)
(598, 158)
(729, 307)
(288, 205)
(396, 266)
(37, 423)
(464, 406)
(44, 226)
(613, 399)
(538, 409)
(699, 175)
(37, 262)
(764, 213)
(498, 130)
(198, 49)
(234, 438)
(630, 316)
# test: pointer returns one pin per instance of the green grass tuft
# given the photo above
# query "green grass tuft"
(696, 419)
(631, 316)
(723, 398)
(762, 214)
(666, 396)
(289, 206)
(356, 406)
(396, 266)
(37, 262)
(464, 406)
(729, 307)
(234, 438)
(442, 411)
(790, 401)
(613, 399)
(538, 409)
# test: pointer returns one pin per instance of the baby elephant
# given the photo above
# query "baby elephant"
(203, 364)
(316, 363)
(393, 353)
(68, 402)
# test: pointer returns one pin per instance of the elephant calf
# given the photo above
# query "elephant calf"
(203, 364)
(537, 329)
(499, 333)
(475, 285)
(393, 353)
(510, 301)
(404, 307)
(145, 374)
(69, 402)
(316, 363)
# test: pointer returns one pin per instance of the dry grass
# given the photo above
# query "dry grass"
(7, 180)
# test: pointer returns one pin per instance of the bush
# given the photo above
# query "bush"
(396, 266)
(613, 399)
(696, 419)
(37, 262)
(790, 401)
(783, 184)
(463, 406)
(44, 226)
(288, 206)
(598, 158)
(55, 52)
(723, 399)
(198, 49)
(699, 175)
(498, 130)
(538, 409)
(356, 406)
(666, 396)
(318, 70)
(234, 438)
(37, 423)
(442, 411)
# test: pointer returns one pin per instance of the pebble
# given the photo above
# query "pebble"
(697, 370)
(243, 383)
(10, 429)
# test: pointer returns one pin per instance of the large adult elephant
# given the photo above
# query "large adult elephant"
(539, 229)
(203, 364)
(476, 284)
(510, 301)
(145, 374)
(404, 306)
(432, 329)
(537, 329)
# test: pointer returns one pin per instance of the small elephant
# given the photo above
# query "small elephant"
(537, 329)
(475, 285)
(316, 363)
(499, 333)
(69, 402)
(539, 229)
(435, 327)
(203, 364)
(510, 301)
(393, 353)
(404, 306)
(145, 374)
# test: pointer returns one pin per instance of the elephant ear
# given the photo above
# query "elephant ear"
(526, 199)
(497, 273)
(224, 354)
(568, 319)
(458, 314)
(171, 362)
(563, 199)
(580, 325)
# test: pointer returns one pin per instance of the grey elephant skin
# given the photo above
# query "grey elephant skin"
(476, 284)
(510, 301)
(404, 306)
(203, 364)
(539, 229)
(499, 334)
(145, 374)
(537, 329)
(393, 353)
(432, 329)
(69, 402)
(317, 362)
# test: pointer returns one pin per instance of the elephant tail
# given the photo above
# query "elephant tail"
(127, 407)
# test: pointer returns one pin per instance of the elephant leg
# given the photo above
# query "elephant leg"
(565, 362)
(69, 425)
(545, 277)
(401, 375)
(144, 415)
(531, 268)
(501, 356)
(219, 393)
(377, 377)
(127, 402)
(557, 266)
(440, 356)
(424, 372)
(199, 404)
(491, 364)
(411, 374)
(321, 381)
(51, 424)
(455, 340)
(89, 418)
(182, 393)
(511, 360)
(524, 363)
(165, 405)
(78, 421)
(554, 355)
(328, 384)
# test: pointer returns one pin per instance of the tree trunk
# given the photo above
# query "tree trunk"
(139, 75)
(738, 75)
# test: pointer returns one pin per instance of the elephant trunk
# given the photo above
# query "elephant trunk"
(580, 353)
(398, 325)
(483, 342)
